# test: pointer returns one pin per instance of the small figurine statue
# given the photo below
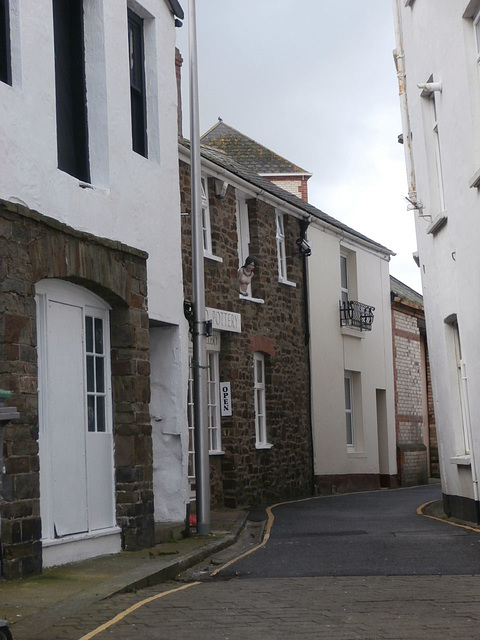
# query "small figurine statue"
(245, 274)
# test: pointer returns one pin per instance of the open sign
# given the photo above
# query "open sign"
(225, 399)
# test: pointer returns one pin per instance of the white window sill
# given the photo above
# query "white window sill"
(263, 445)
(474, 182)
(249, 299)
(353, 333)
(437, 223)
(216, 453)
(356, 454)
(461, 461)
(210, 256)
(287, 282)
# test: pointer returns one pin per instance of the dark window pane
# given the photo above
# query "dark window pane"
(70, 88)
(89, 333)
(99, 363)
(100, 413)
(98, 335)
(5, 69)
(90, 374)
(137, 84)
(91, 413)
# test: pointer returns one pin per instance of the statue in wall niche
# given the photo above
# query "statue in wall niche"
(245, 274)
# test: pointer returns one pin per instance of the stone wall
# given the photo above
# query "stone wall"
(246, 475)
(34, 247)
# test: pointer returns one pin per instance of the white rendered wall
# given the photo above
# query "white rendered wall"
(133, 199)
(438, 40)
(369, 353)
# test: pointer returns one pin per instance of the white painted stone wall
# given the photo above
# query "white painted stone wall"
(131, 199)
(333, 352)
(438, 39)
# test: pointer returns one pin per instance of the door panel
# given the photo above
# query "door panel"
(66, 418)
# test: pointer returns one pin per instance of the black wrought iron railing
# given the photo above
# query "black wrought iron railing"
(356, 314)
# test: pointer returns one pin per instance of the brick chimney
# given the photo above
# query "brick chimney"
(178, 71)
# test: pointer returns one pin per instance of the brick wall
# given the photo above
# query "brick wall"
(297, 186)
(246, 475)
(409, 394)
(33, 248)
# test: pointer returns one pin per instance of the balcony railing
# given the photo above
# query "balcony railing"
(356, 314)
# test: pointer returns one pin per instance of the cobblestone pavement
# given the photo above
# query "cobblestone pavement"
(376, 607)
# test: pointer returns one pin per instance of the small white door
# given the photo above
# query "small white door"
(75, 439)
(66, 418)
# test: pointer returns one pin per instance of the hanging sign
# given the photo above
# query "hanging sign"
(224, 320)
(225, 399)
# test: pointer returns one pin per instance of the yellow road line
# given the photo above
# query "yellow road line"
(453, 524)
(134, 607)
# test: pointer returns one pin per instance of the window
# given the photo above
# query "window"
(462, 387)
(438, 158)
(476, 30)
(213, 403)
(344, 276)
(282, 260)
(5, 68)
(191, 422)
(243, 234)
(95, 365)
(349, 411)
(206, 229)
(70, 89)
(138, 104)
(260, 410)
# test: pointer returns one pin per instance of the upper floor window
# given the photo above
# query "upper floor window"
(70, 88)
(476, 30)
(5, 66)
(281, 254)
(344, 277)
(138, 103)
(438, 157)
(206, 228)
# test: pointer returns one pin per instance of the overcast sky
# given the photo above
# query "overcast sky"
(314, 81)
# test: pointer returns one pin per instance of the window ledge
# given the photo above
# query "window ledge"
(248, 299)
(354, 333)
(287, 282)
(474, 182)
(437, 223)
(356, 454)
(216, 453)
(264, 445)
(461, 461)
(210, 256)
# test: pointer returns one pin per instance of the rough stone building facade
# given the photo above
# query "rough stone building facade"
(245, 470)
(35, 248)
(417, 450)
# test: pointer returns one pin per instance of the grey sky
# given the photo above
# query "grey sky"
(313, 80)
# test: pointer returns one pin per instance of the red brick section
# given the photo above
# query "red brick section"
(409, 394)
(34, 247)
(246, 475)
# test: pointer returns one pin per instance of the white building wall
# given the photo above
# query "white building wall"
(334, 351)
(438, 39)
(131, 199)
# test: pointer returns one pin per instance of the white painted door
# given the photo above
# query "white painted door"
(76, 439)
(66, 418)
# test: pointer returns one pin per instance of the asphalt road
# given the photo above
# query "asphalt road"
(365, 534)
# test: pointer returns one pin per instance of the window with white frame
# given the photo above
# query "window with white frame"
(344, 277)
(476, 31)
(213, 406)
(5, 68)
(349, 411)
(281, 254)
(206, 228)
(243, 230)
(260, 400)
(438, 157)
(462, 386)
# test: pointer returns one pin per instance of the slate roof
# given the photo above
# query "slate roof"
(248, 152)
(401, 290)
(224, 161)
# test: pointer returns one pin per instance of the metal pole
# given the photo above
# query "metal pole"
(202, 464)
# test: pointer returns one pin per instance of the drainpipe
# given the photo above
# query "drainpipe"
(399, 58)
(202, 463)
